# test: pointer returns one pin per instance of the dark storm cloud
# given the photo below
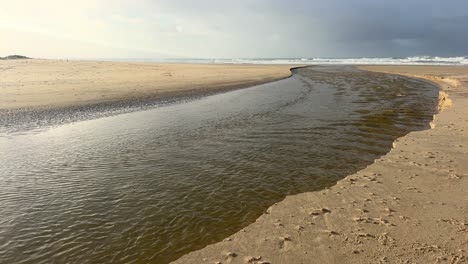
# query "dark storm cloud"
(337, 27)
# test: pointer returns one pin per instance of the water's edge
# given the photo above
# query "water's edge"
(38, 118)
(442, 99)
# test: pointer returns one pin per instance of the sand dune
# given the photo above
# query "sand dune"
(410, 206)
(52, 83)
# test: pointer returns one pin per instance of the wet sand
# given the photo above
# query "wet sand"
(52, 83)
(44, 93)
(410, 206)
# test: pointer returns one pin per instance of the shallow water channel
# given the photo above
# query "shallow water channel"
(150, 186)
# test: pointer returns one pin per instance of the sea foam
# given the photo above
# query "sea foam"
(417, 60)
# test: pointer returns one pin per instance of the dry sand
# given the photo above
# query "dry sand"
(52, 83)
(410, 206)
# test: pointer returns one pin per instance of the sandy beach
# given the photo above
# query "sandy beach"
(410, 206)
(53, 83)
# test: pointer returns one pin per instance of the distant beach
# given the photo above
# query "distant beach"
(58, 83)
(39, 93)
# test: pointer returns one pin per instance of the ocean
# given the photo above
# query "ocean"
(416, 60)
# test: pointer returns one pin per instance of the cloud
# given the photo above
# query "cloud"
(245, 28)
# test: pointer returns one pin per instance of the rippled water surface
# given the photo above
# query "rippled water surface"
(153, 185)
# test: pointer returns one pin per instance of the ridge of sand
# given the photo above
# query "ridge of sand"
(410, 206)
(29, 84)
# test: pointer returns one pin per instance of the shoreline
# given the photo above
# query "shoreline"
(61, 97)
(47, 84)
(409, 206)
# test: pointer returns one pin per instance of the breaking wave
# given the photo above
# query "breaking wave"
(417, 60)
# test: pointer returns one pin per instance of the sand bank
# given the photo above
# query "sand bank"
(410, 206)
(52, 83)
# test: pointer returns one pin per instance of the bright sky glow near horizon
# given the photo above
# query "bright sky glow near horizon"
(233, 29)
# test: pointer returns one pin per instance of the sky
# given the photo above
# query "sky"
(233, 29)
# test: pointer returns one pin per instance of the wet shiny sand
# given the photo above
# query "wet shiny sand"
(152, 185)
